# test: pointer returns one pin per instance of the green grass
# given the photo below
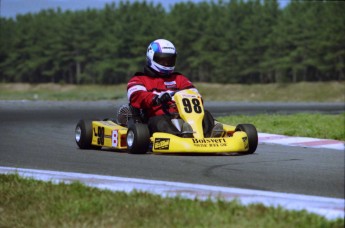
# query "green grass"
(298, 92)
(302, 124)
(57, 92)
(30, 203)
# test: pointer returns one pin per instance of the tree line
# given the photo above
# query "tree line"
(236, 41)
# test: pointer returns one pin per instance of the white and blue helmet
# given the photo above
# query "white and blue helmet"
(161, 56)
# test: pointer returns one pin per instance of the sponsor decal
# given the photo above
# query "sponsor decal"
(170, 85)
(169, 48)
(189, 96)
(211, 140)
(245, 142)
(221, 142)
(114, 138)
(162, 144)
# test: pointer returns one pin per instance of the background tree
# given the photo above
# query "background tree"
(234, 41)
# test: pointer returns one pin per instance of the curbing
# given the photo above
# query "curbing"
(265, 138)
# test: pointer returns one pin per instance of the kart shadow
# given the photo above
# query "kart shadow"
(201, 154)
(191, 154)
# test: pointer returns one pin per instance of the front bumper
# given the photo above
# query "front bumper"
(168, 143)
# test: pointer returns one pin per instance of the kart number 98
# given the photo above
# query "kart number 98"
(191, 104)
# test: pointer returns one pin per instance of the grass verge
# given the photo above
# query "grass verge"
(293, 92)
(303, 124)
(30, 203)
(57, 92)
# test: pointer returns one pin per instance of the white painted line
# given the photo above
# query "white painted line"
(265, 138)
(331, 208)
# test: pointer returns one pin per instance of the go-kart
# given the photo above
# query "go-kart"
(130, 132)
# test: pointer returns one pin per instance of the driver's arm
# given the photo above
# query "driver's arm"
(137, 94)
(184, 83)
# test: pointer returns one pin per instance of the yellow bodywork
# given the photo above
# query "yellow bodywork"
(109, 134)
(191, 110)
(168, 143)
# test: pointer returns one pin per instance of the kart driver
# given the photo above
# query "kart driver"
(151, 90)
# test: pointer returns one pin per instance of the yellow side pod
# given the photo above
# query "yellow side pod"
(109, 134)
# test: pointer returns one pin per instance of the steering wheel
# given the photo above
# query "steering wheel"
(167, 106)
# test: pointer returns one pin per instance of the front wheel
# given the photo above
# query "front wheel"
(138, 138)
(83, 135)
(252, 135)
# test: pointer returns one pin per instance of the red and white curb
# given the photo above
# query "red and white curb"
(265, 138)
(330, 208)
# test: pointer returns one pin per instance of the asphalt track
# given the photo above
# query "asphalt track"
(40, 135)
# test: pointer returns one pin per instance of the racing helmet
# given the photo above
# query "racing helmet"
(161, 56)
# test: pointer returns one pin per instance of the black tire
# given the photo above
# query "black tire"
(83, 135)
(252, 134)
(138, 138)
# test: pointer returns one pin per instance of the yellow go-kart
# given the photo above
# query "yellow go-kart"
(130, 132)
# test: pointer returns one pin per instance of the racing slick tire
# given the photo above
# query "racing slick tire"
(83, 135)
(138, 138)
(252, 134)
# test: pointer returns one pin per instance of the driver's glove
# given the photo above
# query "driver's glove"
(162, 98)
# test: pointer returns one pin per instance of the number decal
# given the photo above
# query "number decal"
(197, 107)
(100, 134)
(188, 106)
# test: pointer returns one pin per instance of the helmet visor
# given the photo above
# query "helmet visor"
(165, 59)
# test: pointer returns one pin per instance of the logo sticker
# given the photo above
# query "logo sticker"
(162, 144)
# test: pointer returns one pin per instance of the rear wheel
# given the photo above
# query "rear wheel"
(138, 138)
(252, 135)
(83, 134)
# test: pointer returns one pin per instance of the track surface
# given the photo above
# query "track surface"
(41, 136)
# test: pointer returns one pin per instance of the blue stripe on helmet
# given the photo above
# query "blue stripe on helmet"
(156, 47)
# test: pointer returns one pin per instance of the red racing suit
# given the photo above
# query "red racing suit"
(142, 90)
